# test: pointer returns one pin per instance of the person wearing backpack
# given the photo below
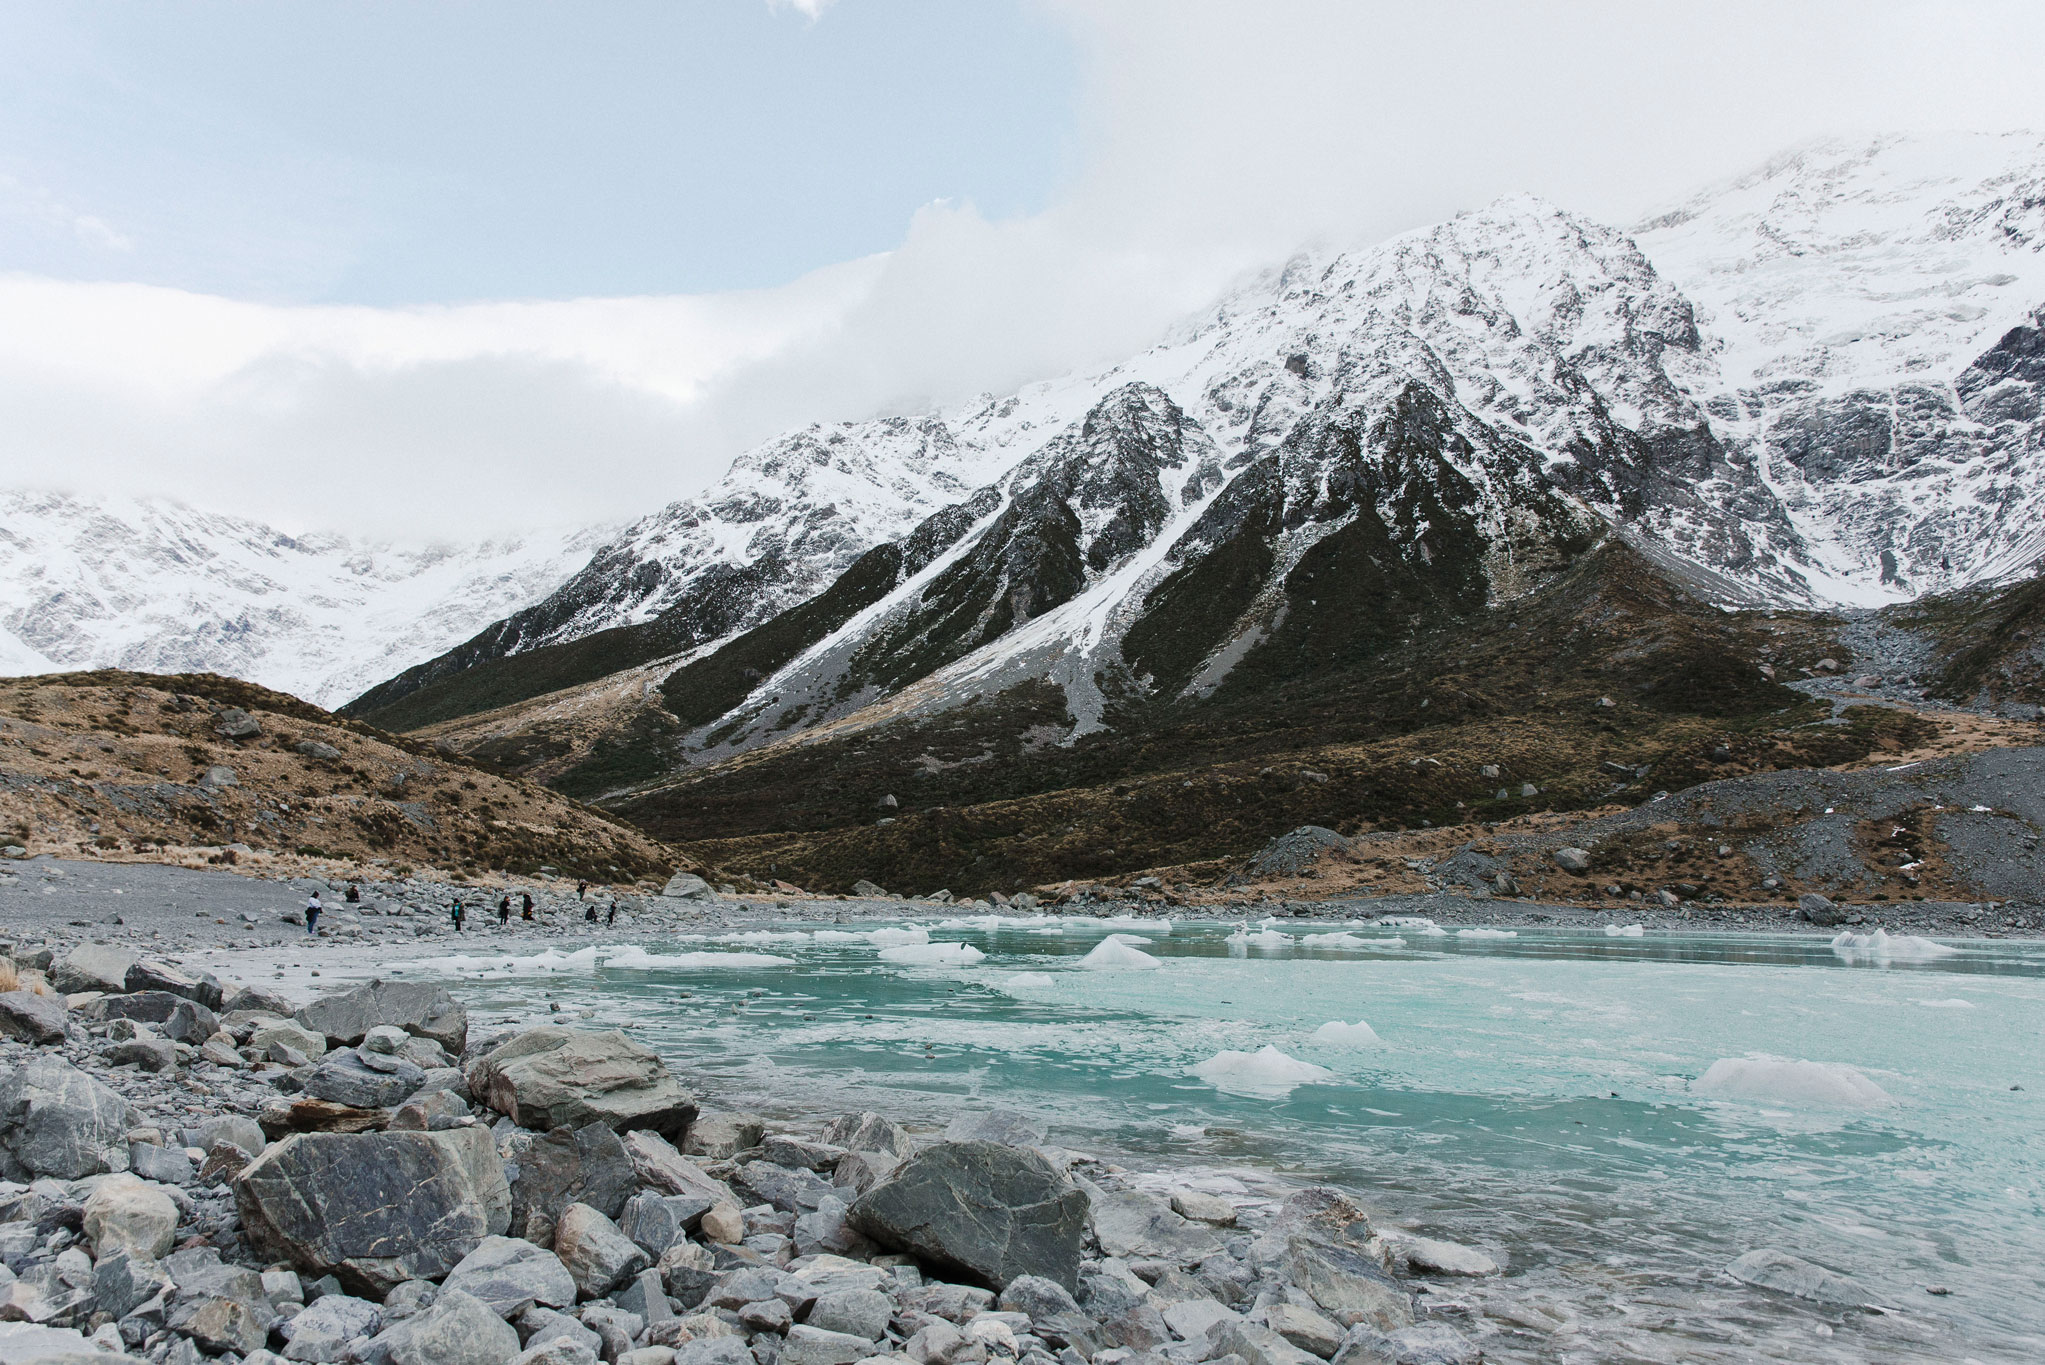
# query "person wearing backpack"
(312, 914)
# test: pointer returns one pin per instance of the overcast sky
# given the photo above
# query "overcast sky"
(439, 269)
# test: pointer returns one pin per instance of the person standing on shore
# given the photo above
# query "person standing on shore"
(581, 890)
(312, 914)
(612, 918)
(527, 911)
(457, 914)
(504, 912)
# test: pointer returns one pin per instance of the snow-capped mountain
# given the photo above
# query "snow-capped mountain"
(155, 586)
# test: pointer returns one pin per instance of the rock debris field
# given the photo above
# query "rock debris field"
(194, 1168)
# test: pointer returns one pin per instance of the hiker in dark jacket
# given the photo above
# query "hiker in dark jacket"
(458, 914)
(504, 912)
(612, 918)
(590, 914)
(526, 913)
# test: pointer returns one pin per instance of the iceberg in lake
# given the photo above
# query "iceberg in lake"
(1335, 1033)
(1763, 1079)
(1263, 938)
(1266, 1073)
(1113, 954)
(889, 938)
(1881, 949)
(932, 955)
(1487, 933)
(1625, 930)
(638, 959)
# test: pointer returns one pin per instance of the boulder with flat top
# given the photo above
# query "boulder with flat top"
(552, 1077)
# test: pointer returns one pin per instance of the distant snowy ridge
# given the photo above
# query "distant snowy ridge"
(155, 586)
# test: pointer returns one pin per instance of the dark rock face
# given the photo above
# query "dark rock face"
(374, 1209)
(1820, 910)
(587, 1165)
(415, 1007)
(56, 1120)
(201, 987)
(982, 1210)
(553, 1077)
(345, 1077)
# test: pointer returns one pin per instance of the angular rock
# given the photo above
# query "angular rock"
(560, 1351)
(344, 1077)
(869, 1132)
(657, 1221)
(689, 887)
(537, 1326)
(806, 1345)
(190, 1022)
(1429, 1256)
(1255, 1345)
(1820, 910)
(32, 1018)
(456, 1330)
(1054, 1314)
(1573, 859)
(1349, 1285)
(223, 1322)
(854, 1312)
(553, 1077)
(235, 723)
(597, 1254)
(56, 1120)
(253, 999)
(714, 1351)
(645, 1296)
(151, 1054)
(26, 1343)
(322, 1332)
(121, 1283)
(1770, 1268)
(511, 1275)
(144, 1007)
(720, 1135)
(1304, 1328)
(414, 1006)
(587, 1165)
(799, 1154)
(374, 1208)
(1143, 1227)
(295, 1036)
(787, 1189)
(231, 1128)
(199, 987)
(128, 1215)
(983, 1210)
(92, 967)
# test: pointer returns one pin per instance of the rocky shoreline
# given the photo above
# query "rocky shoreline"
(197, 1171)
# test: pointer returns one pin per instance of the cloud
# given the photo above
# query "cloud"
(1217, 138)
(45, 212)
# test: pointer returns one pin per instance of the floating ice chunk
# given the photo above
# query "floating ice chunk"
(547, 960)
(1335, 1033)
(1263, 938)
(1624, 930)
(1778, 1080)
(932, 955)
(766, 936)
(1881, 949)
(638, 959)
(985, 923)
(1029, 983)
(1266, 1072)
(891, 938)
(1768, 1268)
(1950, 1003)
(1155, 926)
(1416, 922)
(1113, 953)
(1133, 940)
(1487, 933)
(840, 936)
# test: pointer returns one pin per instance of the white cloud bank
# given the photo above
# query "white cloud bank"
(1218, 137)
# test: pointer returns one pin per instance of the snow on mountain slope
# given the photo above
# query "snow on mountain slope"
(1848, 290)
(156, 586)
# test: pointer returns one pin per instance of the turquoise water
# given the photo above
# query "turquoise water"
(1535, 1095)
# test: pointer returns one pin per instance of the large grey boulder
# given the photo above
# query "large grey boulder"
(869, 1132)
(1349, 1285)
(688, 886)
(717, 1135)
(980, 1210)
(657, 1221)
(1424, 1343)
(129, 1215)
(1573, 859)
(344, 1076)
(1820, 910)
(511, 1275)
(27, 1343)
(553, 1077)
(456, 1330)
(374, 1208)
(806, 1345)
(587, 1165)
(92, 967)
(32, 1018)
(416, 1007)
(1137, 1226)
(56, 1120)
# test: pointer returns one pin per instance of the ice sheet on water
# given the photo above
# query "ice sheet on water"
(1335, 1033)
(991, 923)
(932, 955)
(1417, 923)
(1263, 938)
(1266, 1073)
(1625, 930)
(1350, 941)
(893, 938)
(1487, 933)
(1881, 949)
(1764, 1079)
(1113, 954)
(1949, 1003)
(547, 960)
(627, 956)
(1029, 984)
(1155, 926)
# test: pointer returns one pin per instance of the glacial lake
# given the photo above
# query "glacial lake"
(1550, 1096)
